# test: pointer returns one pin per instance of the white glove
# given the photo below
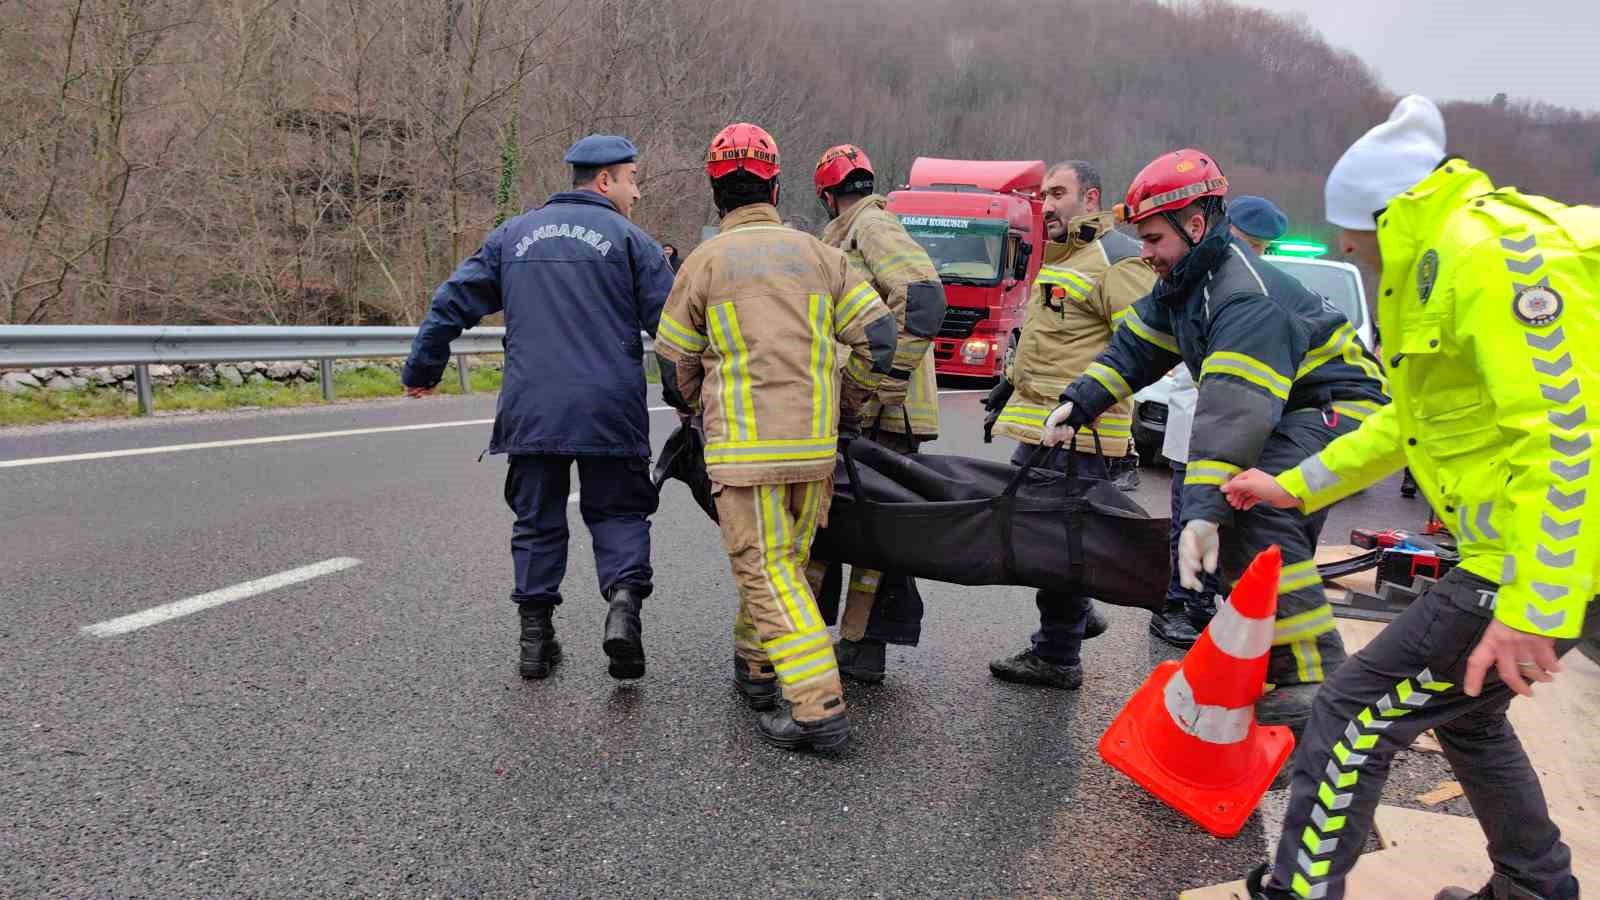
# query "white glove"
(1197, 549)
(1056, 431)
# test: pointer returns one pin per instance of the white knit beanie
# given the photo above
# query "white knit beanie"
(1384, 163)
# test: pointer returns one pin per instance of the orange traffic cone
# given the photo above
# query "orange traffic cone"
(1189, 734)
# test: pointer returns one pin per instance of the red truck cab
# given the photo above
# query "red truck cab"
(982, 222)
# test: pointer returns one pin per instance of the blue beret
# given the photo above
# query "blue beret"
(1257, 217)
(601, 150)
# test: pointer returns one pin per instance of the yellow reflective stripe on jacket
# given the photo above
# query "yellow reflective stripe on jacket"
(1149, 335)
(861, 371)
(775, 450)
(1209, 471)
(1067, 278)
(1109, 379)
(894, 262)
(855, 303)
(909, 359)
(680, 336)
(1120, 315)
(819, 314)
(1246, 368)
(1117, 426)
(738, 405)
(1356, 409)
(1024, 414)
(1344, 344)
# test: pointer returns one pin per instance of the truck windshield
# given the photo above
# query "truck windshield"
(966, 251)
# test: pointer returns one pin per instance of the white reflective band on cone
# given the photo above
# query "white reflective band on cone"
(1212, 724)
(1237, 636)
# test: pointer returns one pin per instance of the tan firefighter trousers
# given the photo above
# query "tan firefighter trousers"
(861, 595)
(767, 530)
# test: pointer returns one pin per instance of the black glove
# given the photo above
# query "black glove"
(1001, 394)
(849, 430)
(988, 423)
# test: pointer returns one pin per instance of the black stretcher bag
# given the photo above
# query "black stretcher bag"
(973, 521)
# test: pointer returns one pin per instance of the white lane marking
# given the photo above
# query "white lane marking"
(277, 439)
(158, 614)
(572, 498)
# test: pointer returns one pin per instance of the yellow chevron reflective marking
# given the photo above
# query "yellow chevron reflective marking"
(1246, 368)
(1109, 379)
(1149, 335)
(680, 336)
(854, 304)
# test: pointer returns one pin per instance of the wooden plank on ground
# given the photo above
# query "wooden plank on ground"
(1448, 790)
(1388, 874)
(1460, 841)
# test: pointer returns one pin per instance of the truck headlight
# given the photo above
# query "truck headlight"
(976, 351)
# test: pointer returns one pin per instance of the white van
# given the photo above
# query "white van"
(1340, 282)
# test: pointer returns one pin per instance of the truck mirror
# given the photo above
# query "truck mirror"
(1024, 253)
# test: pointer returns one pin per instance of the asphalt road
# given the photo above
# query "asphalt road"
(364, 733)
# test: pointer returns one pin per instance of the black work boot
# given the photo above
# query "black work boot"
(1289, 704)
(1254, 890)
(861, 660)
(780, 729)
(1499, 888)
(1096, 624)
(762, 693)
(1172, 626)
(1028, 668)
(624, 642)
(540, 649)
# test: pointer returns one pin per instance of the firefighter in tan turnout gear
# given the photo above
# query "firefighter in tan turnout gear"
(905, 410)
(1090, 277)
(748, 340)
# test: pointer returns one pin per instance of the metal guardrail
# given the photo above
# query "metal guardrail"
(142, 346)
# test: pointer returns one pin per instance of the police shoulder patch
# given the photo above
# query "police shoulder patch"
(1537, 305)
(1427, 274)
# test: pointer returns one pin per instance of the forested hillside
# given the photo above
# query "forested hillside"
(328, 161)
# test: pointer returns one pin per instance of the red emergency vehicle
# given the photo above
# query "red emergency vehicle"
(982, 222)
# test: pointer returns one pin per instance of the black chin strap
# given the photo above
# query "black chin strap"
(1172, 219)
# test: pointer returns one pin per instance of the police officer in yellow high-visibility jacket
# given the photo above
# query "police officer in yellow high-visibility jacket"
(1490, 312)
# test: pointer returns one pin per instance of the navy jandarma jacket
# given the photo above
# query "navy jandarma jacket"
(578, 282)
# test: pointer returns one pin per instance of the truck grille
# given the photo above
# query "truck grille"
(960, 320)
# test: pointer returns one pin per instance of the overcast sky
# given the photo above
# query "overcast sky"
(1468, 49)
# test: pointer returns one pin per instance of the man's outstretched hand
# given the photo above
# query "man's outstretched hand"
(1252, 486)
(1519, 657)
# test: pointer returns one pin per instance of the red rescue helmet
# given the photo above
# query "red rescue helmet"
(837, 164)
(743, 147)
(1174, 180)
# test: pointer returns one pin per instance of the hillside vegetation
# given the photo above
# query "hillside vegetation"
(329, 161)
